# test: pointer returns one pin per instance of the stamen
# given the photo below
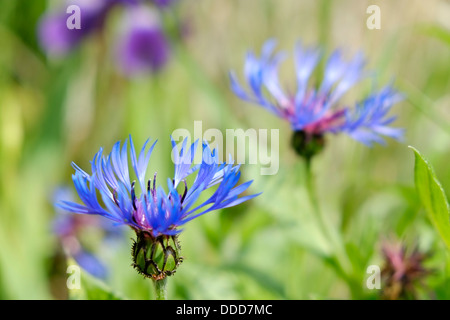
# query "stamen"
(185, 191)
(154, 186)
(133, 195)
(115, 198)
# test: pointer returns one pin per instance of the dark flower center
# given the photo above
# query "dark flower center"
(307, 144)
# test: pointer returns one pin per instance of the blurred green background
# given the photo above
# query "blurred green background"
(53, 112)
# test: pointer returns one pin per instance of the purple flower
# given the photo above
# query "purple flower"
(57, 39)
(314, 111)
(143, 47)
(155, 210)
(404, 271)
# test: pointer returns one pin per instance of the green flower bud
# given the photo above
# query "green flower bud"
(156, 257)
(306, 144)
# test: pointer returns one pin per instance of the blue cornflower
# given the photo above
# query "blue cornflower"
(314, 111)
(155, 214)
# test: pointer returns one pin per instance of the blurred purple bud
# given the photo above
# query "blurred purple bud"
(54, 34)
(143, 47)
(404, 271)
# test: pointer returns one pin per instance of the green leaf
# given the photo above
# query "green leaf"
(432, 196)
(438, 32)
(83, 286)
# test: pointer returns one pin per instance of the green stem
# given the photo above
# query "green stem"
(337, 255)
(160, 289)
(311, 188)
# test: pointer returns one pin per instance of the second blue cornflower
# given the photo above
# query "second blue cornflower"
(315, 111)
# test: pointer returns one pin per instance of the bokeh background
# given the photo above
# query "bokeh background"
(57, 110)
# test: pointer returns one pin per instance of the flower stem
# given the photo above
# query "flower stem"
(337, 256)
(160, 289)
(311, 188)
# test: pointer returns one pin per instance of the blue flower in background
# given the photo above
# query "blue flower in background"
(155, 210)
(314, 111)
(69, 230)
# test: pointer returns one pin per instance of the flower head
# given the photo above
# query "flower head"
(57, 39)
(156, 214)
(143, 48)
(402, 271)
(142, 45)
(314, 111)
